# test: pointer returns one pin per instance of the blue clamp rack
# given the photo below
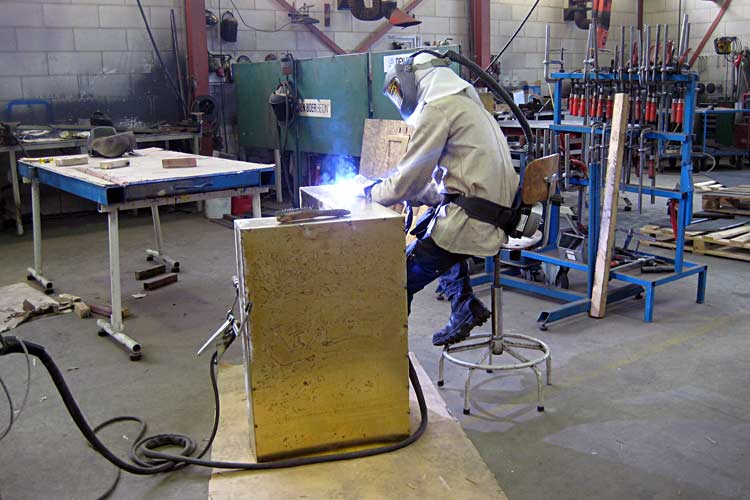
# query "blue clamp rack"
(636, 283)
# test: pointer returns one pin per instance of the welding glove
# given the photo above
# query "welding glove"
(364, 185)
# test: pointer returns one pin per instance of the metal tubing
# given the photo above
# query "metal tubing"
(36, 216)
(131, 346)
(158, 239)
(537, 345)
(16, 191)
(566, 181)
(642, 167)
(277, 176)
(114, 271)
(257, 213)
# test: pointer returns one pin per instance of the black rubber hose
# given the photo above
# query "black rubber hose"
(166, 462)
(493, 85)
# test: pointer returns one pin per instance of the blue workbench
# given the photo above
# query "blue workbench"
(144, 183)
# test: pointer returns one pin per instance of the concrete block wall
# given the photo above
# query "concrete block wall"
(701, 13)
(523, 59)
(84, 55)
(441, 19)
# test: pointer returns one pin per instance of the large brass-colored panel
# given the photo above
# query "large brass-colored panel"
(326, 350)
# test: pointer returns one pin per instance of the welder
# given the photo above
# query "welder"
(458, 163)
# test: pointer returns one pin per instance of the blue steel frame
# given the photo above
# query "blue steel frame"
(636, 284)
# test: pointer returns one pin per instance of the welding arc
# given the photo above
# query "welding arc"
(146, 460)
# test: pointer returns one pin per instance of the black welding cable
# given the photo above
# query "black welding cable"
(510, 40)
(491, 83)
(149, 461)
(16, 413)
(172, 84)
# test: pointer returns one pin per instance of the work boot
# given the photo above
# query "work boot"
(470, 313)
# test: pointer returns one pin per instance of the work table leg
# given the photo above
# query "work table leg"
(115, 328)
(16, 192)
(158, 254)
(36, 273)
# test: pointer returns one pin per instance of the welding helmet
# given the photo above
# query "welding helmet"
(401, 84)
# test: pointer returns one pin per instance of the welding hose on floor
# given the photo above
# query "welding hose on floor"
(144, 455)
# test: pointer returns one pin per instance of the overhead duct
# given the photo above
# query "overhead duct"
(381, 9)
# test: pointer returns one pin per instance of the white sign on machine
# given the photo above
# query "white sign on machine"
(389, 61)
(316, 108)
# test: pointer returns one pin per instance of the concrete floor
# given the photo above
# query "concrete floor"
(636, 410)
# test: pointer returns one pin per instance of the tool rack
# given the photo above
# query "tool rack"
(648, 86)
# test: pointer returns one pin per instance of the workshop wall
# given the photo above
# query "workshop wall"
(88, 55)
(440, 20)
(701, 13)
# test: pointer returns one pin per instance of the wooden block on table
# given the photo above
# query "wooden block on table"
(150, 272)
(67, 297)
(82, 310)
(69, 161)
(186, 162)
(118, 163)
(159, 281)
(329, 330)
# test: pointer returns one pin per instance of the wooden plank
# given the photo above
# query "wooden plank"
(118, 163)
(160, 281)
(384, 142)
(443, 465)
(609, 208)
(150, 272)
(728, 233)
(69, 161)
(187, 162)
(106, 310)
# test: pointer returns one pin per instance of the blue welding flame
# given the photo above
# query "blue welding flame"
(338, 170)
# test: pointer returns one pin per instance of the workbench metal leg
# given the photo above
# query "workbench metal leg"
(702, 278)
(115, 328)
(196, 145)
(277, 176)
(648, 315)
(36, 273)
(158, 254)
(16, 192)
(257, 213)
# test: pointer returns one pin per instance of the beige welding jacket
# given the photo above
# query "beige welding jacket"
(457, 147)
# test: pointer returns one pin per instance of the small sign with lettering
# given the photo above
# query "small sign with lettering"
(389, 61)
(317, 108)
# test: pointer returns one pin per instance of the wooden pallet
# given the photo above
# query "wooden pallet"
(734, 200)
(730, 243)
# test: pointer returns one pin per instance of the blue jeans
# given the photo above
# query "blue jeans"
(425, 262)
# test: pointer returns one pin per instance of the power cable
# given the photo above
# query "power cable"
(172, 84)
(15, 414)
(253, 27)
(507, 44)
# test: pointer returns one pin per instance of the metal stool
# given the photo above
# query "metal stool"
(497, 342)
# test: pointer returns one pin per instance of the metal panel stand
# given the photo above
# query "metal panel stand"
(115, 327)
(496, 344)
(36, 273)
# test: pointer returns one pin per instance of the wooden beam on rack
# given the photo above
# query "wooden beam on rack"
(609, 208)
(710, 32)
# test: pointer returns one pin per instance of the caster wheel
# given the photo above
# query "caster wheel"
(440, 296)
(135, 357)
(440, 383)
(467, 411)
(540, 409)
(543, 328)
(490, 371)
(49, 291)
(639, 296)
(102, 333)
(176, 268)
(29, 277)
(149, 258)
